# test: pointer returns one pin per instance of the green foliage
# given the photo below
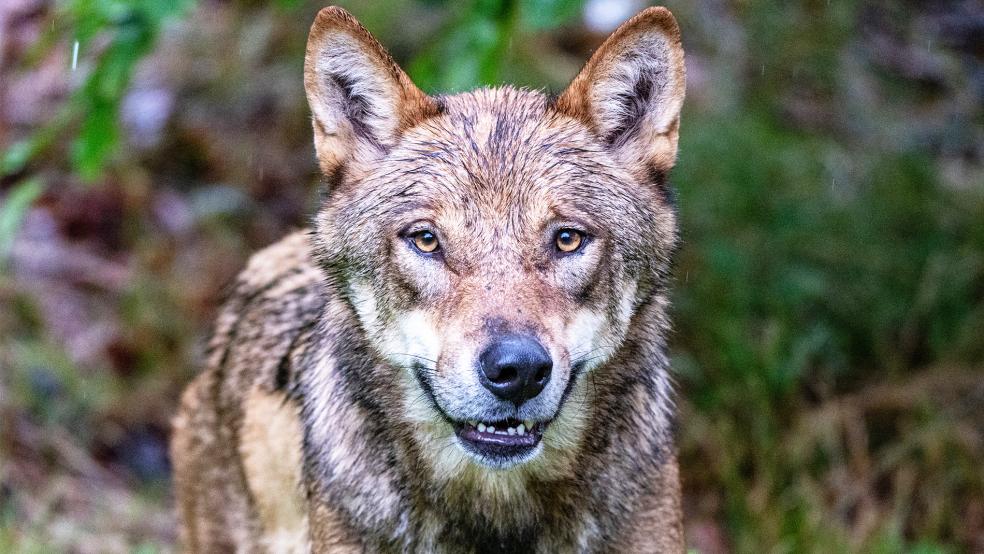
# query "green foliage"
(798, 279)
(120, 33)
(805, 274)
(52, 389)
(131, 28)
(12, 212)
(493, 34)
(481, 28)
(549, 14)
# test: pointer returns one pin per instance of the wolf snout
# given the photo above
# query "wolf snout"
(515, 368)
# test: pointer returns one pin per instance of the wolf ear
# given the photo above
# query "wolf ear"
(360, 100)
(631, 90)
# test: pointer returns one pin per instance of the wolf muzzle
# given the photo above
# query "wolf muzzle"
(515, 368)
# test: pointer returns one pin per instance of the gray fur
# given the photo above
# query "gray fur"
(314, 320)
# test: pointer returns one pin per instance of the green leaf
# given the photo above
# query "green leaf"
(13, 209)
(17, 156)
(547, 14)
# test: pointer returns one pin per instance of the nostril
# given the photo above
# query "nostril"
(506, 374)
(515, 368)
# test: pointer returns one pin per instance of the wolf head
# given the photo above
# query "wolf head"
(496, 246)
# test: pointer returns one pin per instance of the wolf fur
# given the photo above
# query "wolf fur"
(339, 364)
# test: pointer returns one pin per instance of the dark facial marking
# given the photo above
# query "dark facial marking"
(667, 194)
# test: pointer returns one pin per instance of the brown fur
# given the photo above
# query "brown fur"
(342, 355)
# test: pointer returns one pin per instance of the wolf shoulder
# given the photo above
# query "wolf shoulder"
(273, 305)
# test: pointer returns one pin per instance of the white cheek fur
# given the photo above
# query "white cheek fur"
(592, 337)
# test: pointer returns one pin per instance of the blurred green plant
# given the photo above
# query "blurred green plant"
(107, 38)
(493, 34)
(12, 212)
(794, 286)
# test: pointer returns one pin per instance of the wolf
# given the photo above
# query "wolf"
(466, 352)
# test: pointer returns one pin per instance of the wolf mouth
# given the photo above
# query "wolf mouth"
(500, 440)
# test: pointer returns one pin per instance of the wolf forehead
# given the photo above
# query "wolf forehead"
(506, 152)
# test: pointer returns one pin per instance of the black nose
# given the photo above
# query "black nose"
(515, 368)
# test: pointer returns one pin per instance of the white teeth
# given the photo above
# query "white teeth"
(521, 429)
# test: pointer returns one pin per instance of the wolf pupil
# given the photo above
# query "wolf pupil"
(425, 241)
(568, 240)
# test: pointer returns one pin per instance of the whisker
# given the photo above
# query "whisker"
(579, 357)
(591, 359)
(412, 356)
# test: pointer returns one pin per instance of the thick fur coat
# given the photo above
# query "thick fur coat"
(342, 371)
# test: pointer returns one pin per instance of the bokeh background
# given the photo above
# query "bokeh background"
(829, 305)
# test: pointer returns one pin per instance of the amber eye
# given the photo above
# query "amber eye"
(568, 240)
(426, 242)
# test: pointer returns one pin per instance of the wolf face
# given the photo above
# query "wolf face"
(495, 246)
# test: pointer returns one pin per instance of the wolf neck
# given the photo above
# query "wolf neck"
(369, 468)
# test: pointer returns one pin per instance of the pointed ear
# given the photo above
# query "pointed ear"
(631, 90)
(360, 100)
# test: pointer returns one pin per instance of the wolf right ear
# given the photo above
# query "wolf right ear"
(631, 90)
(360, 100)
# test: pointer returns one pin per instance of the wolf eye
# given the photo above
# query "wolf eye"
(426, 242)
(568, 240)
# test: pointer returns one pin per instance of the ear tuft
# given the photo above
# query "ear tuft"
(360, 99)
(631, 90)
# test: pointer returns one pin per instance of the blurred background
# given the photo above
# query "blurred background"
(829, 304)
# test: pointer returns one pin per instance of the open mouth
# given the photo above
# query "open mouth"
(503, 442)
(500, 440)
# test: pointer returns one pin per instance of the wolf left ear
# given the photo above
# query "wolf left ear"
(360, 100)
(631, 90)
